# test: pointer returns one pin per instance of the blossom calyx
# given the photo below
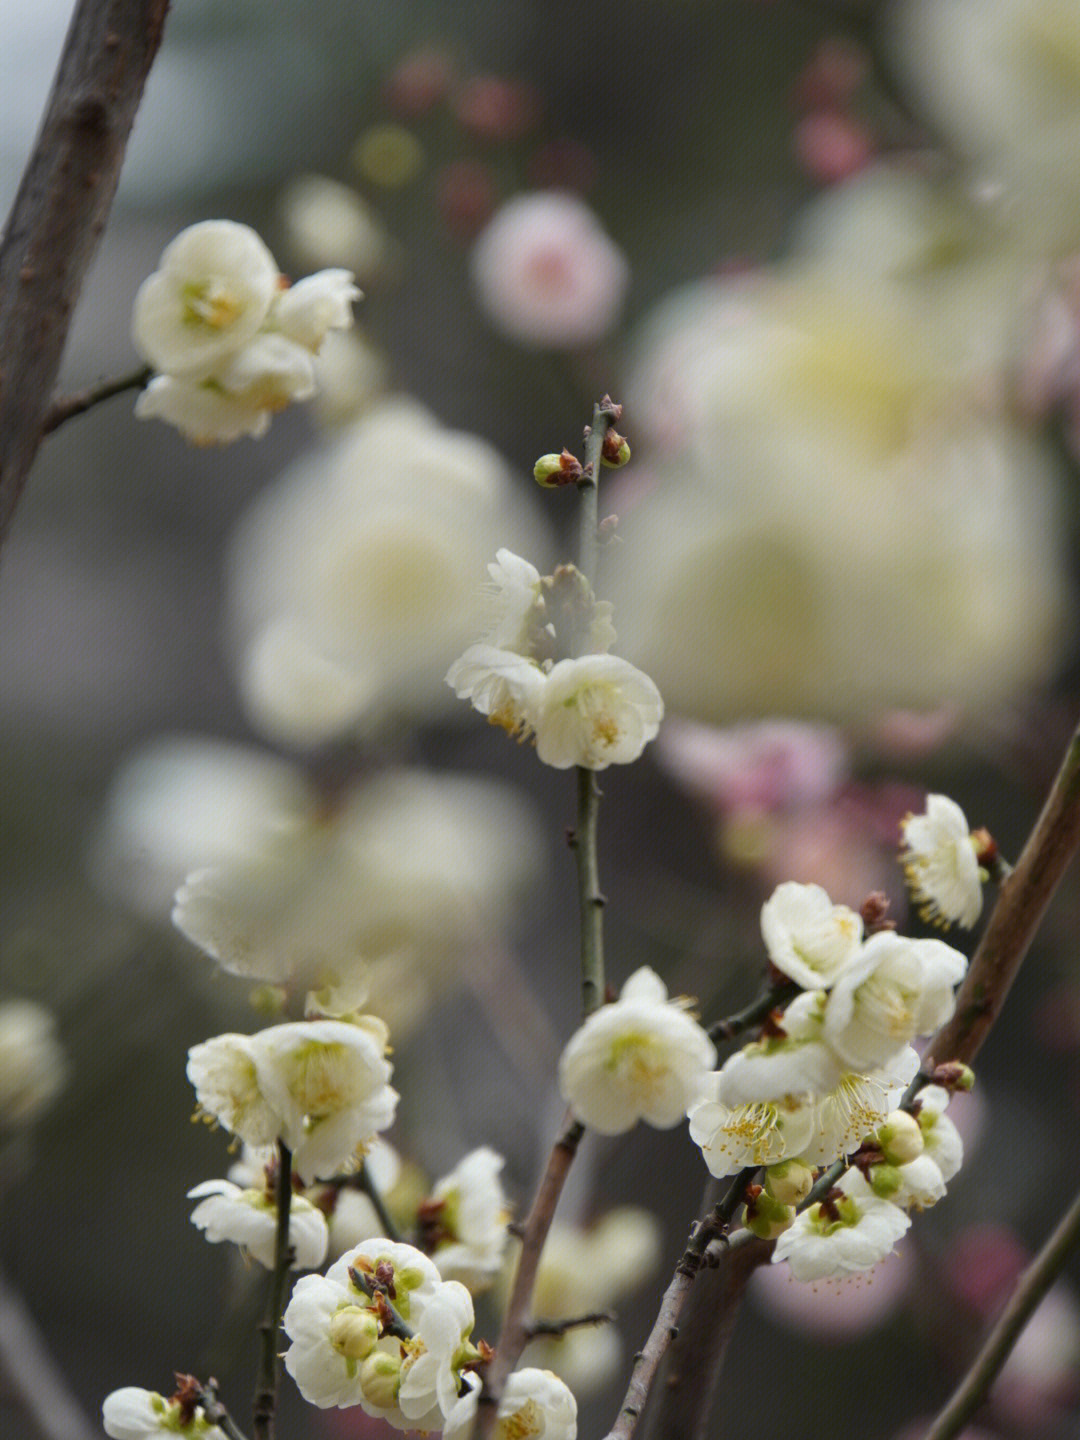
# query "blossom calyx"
(765, 1216)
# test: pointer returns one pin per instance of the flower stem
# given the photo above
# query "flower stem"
(371, 1190)
(753, 1013)
(515, 1332)
(64, 407)
(1030, 1289)
(604, 412)
(590, 897)
(266, 1385)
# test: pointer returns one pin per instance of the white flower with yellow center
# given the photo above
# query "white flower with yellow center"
(329, 1080)
(229, 1088)
(807, 937)
(248, 1218)
(641, 1058)
(595, 711)
(845, 1236)
(757, 1133)
(895, 990)
(855, 1106)
(306, 312)
(534, 1405)
(431, 1370)
(941, 864)
(210, 295)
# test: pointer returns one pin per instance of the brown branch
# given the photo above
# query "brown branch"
(65, 407)
(60, 211)
(514, 1335)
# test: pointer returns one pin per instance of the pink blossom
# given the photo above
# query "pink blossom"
(767, 766)
(831, 145)
(547, 274)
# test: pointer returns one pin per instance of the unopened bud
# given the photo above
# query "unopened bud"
(899, 1138)
(954, 1075)
(354, 1332)
(380, 1379)
(551, 471)
(616, 451)
(885, 1180)
(767, 1218)
(789, 1182)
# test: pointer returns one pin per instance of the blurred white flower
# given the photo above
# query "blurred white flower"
(841, 1237)
(895, 990)
(228, 1088)
(33, 1068)
(807, 937)
(248, 1218)
(327, 223)
(641, 1058)
(210, 296)
(587, 1270)
(533, 1403)
(940, 863)
(466, 1217)
(135, 1414)
(845, 516)
(388, 895)
(362, 569)
(309, 310)
(546, 273)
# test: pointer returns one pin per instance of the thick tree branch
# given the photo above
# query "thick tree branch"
(60, 212)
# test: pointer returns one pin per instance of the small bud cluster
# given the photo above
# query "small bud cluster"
(231, 341)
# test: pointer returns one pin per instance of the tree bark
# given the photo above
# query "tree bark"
(60, 211)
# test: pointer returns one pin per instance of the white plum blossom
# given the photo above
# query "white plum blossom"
(501, 684)
(512, 599)
(761, 1132)
(135, 1414)
(546, 273)
(211, 294)
(328, 223)
(921, 1184)
(228, 1088)
(856, 1106)
(941, 864)
(231, 341)
(33, 1068)
(896, 989)
(343, 1354)
(329, 1081)
(941, 1139)
(534, 1404)
(248, 1218)
(807, 937)
(842, 1237)
(642, 1058)
(595, 711)
(467, 1215)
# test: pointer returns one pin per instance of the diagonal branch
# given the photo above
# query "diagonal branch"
(60, 211)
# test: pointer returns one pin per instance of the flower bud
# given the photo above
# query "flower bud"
(616, 451)
(900, 1138)
(354, 1332)
(954, 1075)
(551, 471)
(380, 1379)
(884, 1180)
(767, 1218)
(789, 1182)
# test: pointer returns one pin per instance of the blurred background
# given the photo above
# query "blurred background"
(828, 257)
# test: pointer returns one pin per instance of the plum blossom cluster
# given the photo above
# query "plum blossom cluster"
(320, 1086)
(231, 340)
(383, 1330)
(543, 669)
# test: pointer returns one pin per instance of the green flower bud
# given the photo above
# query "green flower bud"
(900, 1138)
(353, 1332)
(789, 1182)
(380, 1379)
(767, 1218)
(885, 1180)
(616, 451)
(548, 471)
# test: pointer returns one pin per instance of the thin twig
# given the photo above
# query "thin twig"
(266, 1386)
(216, 1412)
(591, 900)
(755, 1012)
(604, 412)
(64, 407)
(514, 1335)
(391, 1321)
(1030, 1289)
(576, 1322)
(59, 213)
(365, 1183)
